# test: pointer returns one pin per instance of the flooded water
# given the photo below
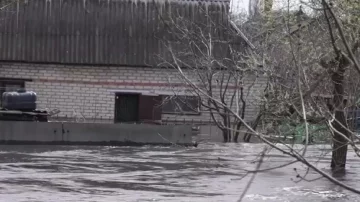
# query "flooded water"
(211, 172)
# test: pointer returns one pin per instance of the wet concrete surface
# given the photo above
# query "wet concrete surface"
(211, 172)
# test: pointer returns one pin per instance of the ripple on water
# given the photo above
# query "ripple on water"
(212, 172)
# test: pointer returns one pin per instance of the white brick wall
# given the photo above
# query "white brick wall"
(60, 86)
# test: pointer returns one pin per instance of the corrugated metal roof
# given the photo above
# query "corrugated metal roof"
(108, 32)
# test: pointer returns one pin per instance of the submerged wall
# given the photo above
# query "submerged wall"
(16, 132)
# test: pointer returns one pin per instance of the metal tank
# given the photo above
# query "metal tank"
(19, 100)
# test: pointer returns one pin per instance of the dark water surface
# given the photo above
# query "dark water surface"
(211, 172)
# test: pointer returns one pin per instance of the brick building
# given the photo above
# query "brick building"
(95, 59)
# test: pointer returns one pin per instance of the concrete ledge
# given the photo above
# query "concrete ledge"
(54, 133)
(109, 143)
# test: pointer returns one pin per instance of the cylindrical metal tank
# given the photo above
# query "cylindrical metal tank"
(20, 100)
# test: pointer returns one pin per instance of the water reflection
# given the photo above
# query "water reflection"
(211, 172)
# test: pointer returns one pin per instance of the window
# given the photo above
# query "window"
(186, 105)
(7, 85)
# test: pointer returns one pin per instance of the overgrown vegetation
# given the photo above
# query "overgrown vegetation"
(311, 66)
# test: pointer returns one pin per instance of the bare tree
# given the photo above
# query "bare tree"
(310, 62)
(295, 47)
(215, 55)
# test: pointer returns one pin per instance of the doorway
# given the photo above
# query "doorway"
(126, 108)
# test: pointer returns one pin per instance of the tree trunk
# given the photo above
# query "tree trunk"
(237, 133)
(248, 135)
(225, 135)
(227, 126)
(339, 151)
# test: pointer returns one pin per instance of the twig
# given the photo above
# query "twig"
(272, 168)
(170, 141)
